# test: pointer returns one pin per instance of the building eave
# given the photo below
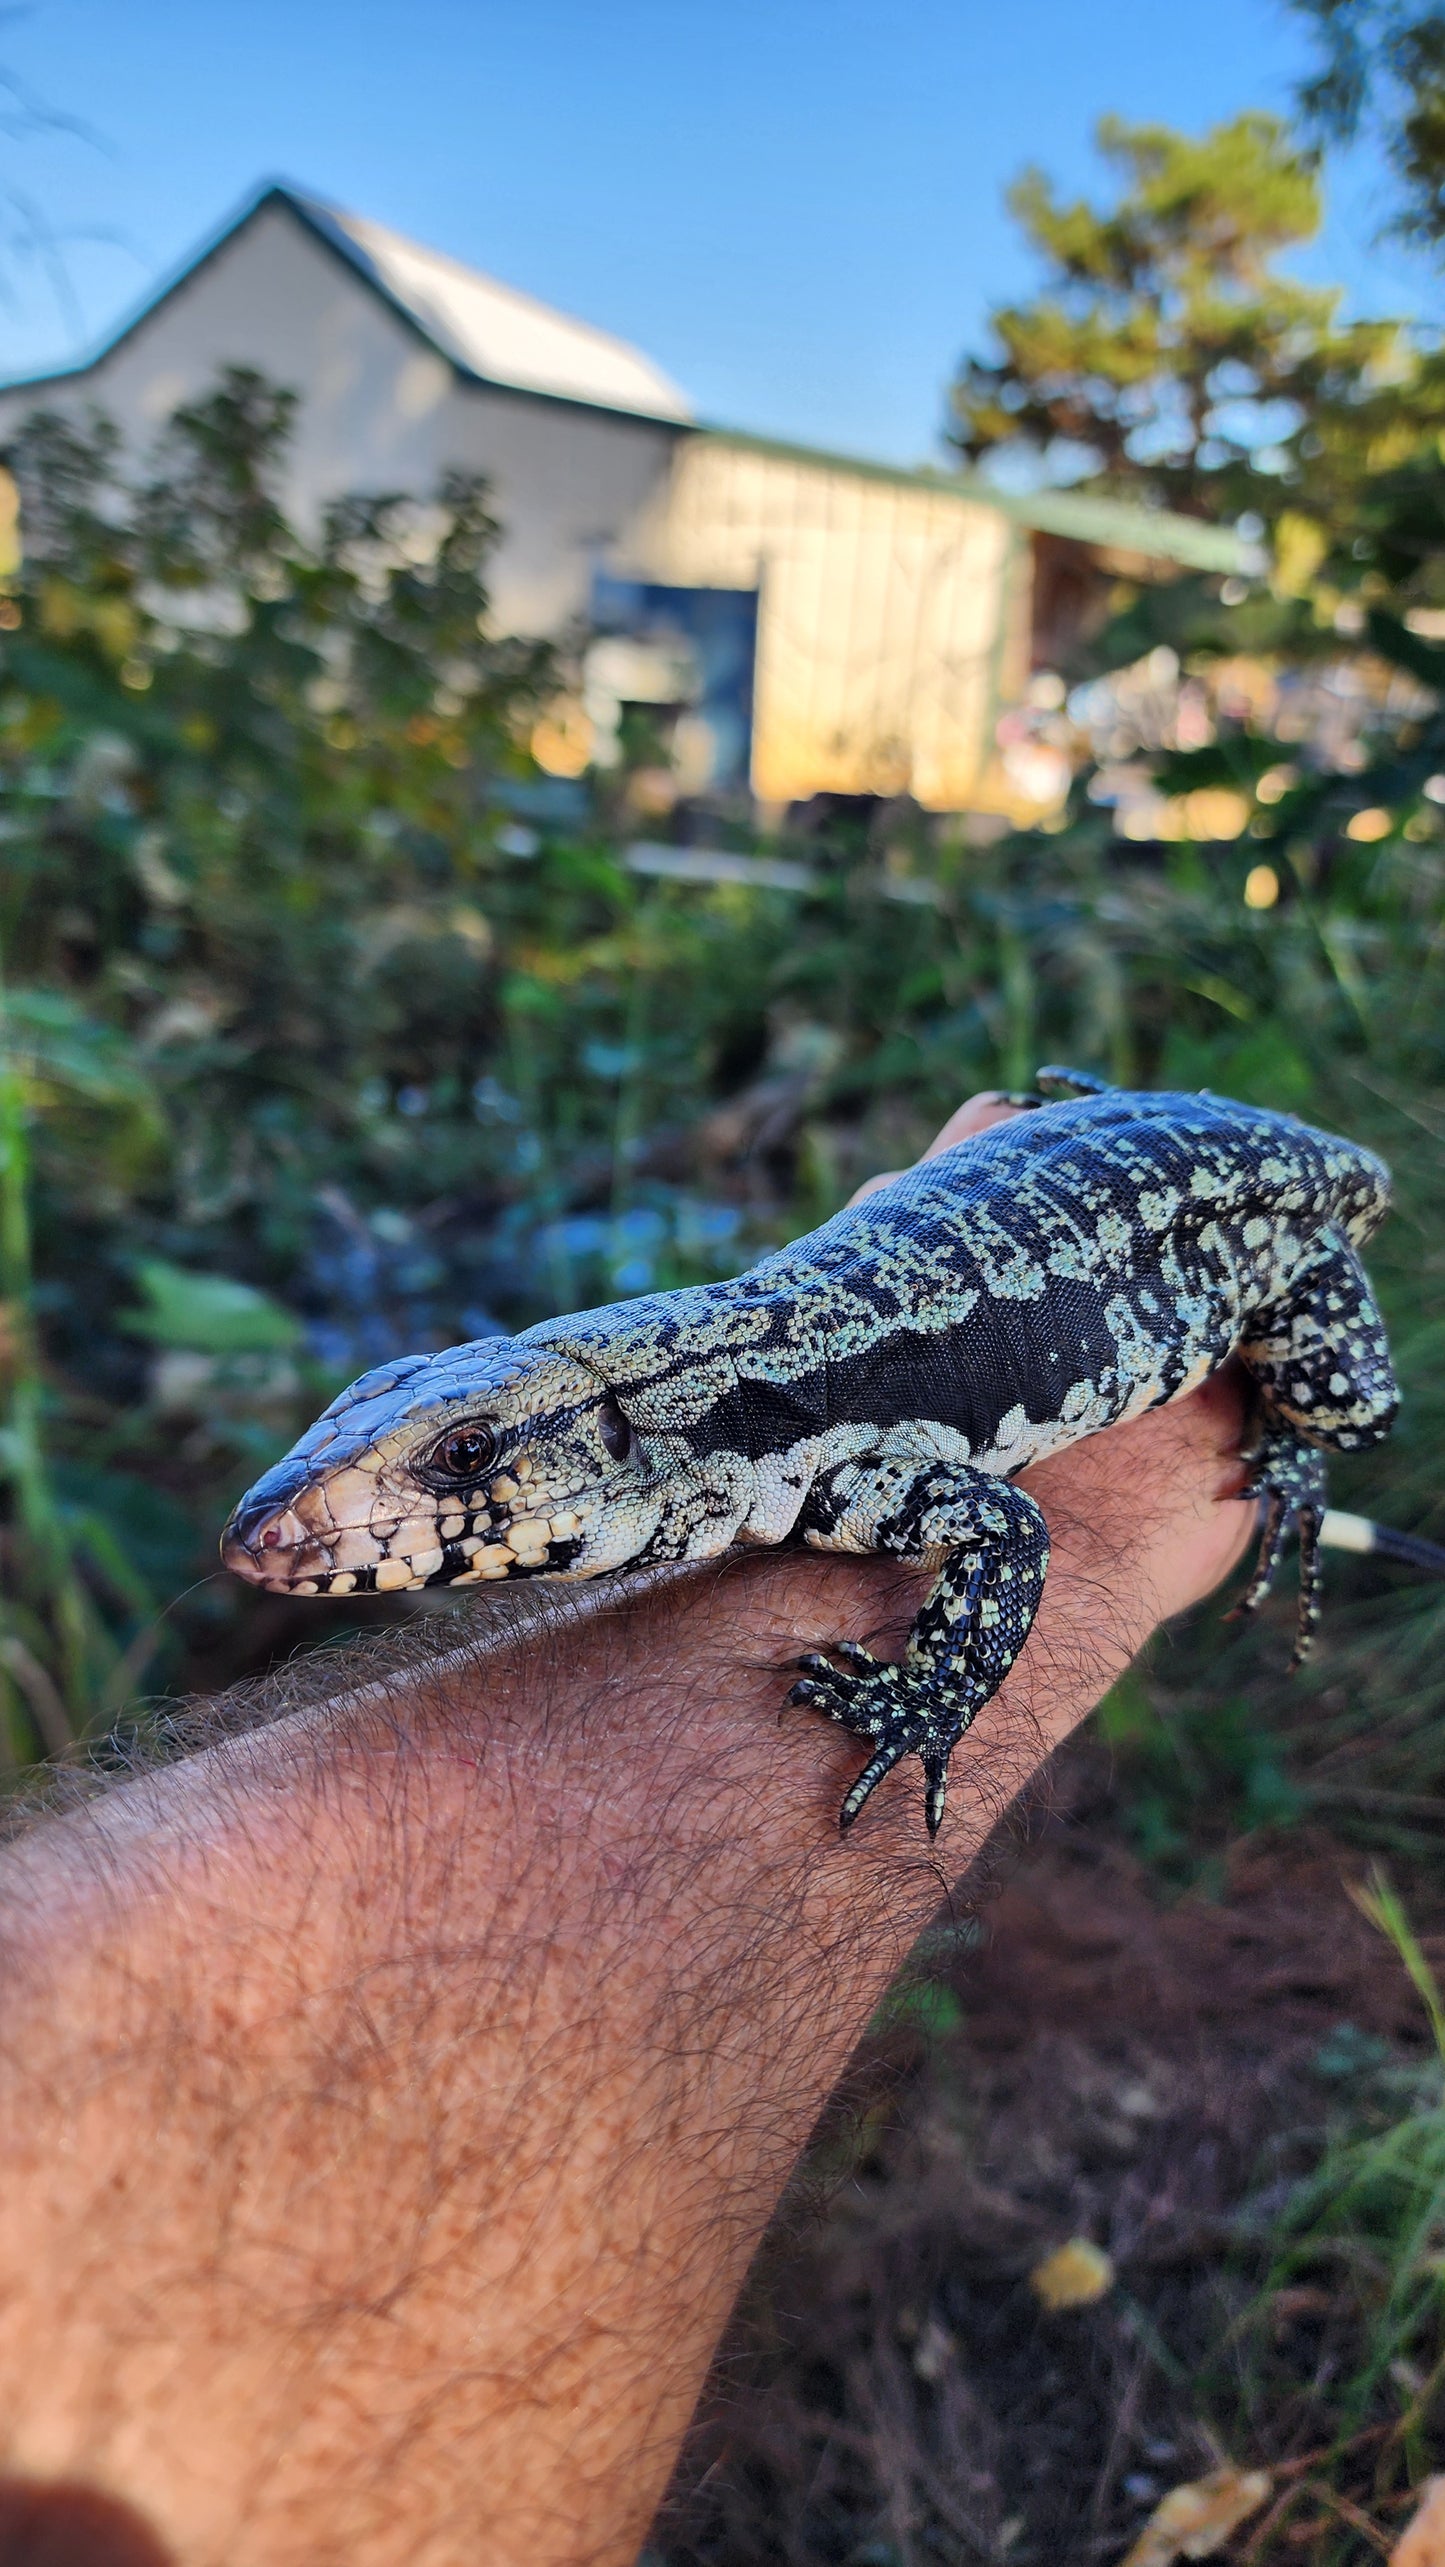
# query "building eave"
(311, 217)
(151, 301)
(1084, 517)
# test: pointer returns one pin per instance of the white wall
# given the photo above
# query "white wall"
(380, 410)
(569, 486)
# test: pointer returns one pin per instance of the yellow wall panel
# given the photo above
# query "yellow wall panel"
(889, 617)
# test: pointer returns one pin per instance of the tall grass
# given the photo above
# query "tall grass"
(1343, 2346)
(63, 1669)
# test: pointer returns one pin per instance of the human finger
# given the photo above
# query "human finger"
(976, 1114)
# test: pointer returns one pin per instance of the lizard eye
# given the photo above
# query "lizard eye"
(464, 1453)
(614, 1430)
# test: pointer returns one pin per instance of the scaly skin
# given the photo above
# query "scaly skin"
(875, 1387)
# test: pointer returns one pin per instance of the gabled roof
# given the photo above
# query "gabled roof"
(489, 332)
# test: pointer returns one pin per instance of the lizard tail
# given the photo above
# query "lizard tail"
(1341, 1532)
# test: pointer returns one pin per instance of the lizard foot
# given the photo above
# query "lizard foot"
(966, 1635)
(1054, 1087)
(1288, 1479)
(881, 1699)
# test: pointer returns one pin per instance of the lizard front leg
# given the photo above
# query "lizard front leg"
(995, 1550)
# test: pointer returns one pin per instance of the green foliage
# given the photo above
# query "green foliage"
(211, 1313)
(62, 1659)
(241, 827)
(1382, 72)
(1346, 2334)
(242, 789)
(1166, 355)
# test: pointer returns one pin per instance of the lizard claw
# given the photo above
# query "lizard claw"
(1289, 1483)
(856, 1655)
(816, 1662)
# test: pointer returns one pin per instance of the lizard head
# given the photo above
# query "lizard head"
(493, 1460)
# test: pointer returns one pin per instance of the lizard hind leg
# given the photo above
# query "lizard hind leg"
(1288, 1478)
(1322, 1366)
(966, 1637)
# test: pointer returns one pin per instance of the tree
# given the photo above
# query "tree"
(1382, 72)
(1166, 357)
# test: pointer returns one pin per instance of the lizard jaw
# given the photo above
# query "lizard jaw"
(290, 1543)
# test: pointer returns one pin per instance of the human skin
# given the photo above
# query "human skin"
(391, 2098)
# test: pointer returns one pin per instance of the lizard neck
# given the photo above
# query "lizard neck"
(781, 1482)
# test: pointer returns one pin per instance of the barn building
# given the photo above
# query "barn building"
(809, 623)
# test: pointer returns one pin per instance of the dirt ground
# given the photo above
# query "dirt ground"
(1079, 2060)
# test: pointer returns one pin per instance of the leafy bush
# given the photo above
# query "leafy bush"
(309, 1052)
(316, 1053)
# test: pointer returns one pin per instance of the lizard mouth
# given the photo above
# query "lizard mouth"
(271, 1544)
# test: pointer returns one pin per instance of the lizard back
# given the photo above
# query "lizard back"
(1033, 1284)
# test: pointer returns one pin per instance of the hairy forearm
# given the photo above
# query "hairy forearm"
(392, 2098)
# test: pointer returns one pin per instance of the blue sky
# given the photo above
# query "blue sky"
(794, 205)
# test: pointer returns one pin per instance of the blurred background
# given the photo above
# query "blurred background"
(600, 616)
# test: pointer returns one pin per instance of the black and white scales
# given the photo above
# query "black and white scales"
(876, 1386)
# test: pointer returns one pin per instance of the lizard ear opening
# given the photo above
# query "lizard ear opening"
(614, 1430)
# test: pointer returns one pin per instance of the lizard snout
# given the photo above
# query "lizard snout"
(265, 1537)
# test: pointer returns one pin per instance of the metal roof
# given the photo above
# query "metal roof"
(1091, 518)
(1086, 517)
(489, 332)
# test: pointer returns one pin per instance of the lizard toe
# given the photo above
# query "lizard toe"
(855, 1655)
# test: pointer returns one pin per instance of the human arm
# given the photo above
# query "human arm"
(394, 2097)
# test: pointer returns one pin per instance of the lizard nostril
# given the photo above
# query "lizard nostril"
(264, 1522)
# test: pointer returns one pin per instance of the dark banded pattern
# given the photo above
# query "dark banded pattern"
(878, 1384)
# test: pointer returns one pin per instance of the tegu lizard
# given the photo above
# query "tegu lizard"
(877, 1386)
